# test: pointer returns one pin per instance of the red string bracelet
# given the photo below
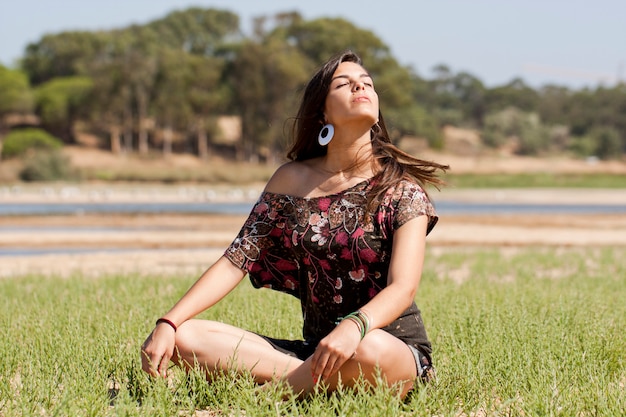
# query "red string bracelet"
(166, 321)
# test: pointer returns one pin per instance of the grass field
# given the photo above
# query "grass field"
(246, 173)
(537, 180)
(516, 332)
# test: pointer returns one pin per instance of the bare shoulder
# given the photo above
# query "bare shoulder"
(291, 178)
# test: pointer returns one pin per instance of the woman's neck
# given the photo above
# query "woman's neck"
(348, 153)
(348, 163)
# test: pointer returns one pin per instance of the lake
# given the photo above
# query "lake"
(242, 208)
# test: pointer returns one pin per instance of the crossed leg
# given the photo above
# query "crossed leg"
(218, 346)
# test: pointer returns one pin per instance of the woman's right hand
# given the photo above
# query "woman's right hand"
(157, 350)
(211, 287)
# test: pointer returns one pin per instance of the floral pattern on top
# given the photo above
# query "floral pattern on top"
(325, 250)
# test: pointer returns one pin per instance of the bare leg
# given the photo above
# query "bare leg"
(218, 346)
(379, 352)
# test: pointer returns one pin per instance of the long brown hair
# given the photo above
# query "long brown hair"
(394, 163)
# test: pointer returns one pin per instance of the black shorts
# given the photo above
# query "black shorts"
(302, 350)
(296, 348)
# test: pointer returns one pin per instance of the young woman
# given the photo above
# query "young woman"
(342, 227)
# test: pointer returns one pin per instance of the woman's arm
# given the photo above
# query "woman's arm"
(211, 287)
(219, 280)
(405, 271)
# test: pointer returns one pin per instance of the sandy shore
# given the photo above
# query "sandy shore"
(97, 245)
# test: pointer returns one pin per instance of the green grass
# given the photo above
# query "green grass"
(516, 332)
(536, 180)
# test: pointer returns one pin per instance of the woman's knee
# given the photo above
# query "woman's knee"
(184, 340)
(190, 332)
(381, 350)
(372, 348)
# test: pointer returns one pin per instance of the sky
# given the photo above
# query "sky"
(574, 43)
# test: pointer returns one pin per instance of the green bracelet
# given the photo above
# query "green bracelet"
(359, 325)
(360, 319)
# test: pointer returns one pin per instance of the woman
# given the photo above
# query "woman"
(342, 227)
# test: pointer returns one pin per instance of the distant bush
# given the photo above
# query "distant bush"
(608, 142)
(583, 146)
(47, 165)
(20, 141)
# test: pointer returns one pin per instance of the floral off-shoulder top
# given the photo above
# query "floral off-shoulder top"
(328, 254)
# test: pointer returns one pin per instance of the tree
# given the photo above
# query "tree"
(471, 94)
(322, 38)
(197, 31)
(15, 97)
(443, 89)
(138, 56)
(61, 101)
(533, 136)
(524, 128)
(198, 37)
(500, 125)
(414, 120)
(175, 75)
(171, 107)
(589, 110)
(319, 39)
(206, 94)
(61, 55)
(553, 105)
(514, 94)
(112, 94)
(265, 78)
(20, 142)
(456, 99)
(608, 142)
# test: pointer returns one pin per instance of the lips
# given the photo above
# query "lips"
(361, 99)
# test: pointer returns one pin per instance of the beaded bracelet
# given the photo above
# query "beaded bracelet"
(166, 321)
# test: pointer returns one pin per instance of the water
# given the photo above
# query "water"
(30, 209)
(237, 208)
(242, 208)
(451, 207)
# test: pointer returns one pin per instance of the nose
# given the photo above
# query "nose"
(358, 86)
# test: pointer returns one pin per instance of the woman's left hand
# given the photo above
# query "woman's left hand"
(334, 350)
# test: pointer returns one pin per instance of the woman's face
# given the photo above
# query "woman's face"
(351, 97)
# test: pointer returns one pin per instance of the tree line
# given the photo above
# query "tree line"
(163, 85)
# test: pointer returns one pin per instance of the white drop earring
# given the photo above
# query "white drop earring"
(326, 134)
